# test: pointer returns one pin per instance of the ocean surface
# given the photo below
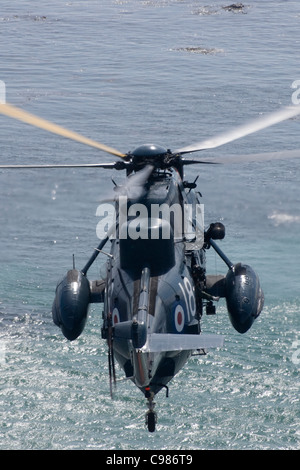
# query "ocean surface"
(125, 73)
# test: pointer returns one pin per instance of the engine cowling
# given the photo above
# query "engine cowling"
(244, 296)
(70, 306)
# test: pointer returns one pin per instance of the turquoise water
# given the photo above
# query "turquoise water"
(126, 73)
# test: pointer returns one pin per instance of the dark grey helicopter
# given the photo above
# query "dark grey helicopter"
(156, 285)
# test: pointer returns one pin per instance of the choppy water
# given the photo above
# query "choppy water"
(126, 73)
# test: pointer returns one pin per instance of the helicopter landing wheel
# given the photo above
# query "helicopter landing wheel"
(151, 420)
(151, 416)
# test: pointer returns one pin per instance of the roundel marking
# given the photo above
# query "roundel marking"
(179, 318)
(115, 316)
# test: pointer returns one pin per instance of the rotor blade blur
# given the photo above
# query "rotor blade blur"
(79, 165)
(191, 161)
(241, 131)
(134, 187)
(17, 113)
(248, 158)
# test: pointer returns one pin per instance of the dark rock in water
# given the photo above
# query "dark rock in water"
(207, 10)
(39, 18)
(234, 7)
(199, 50)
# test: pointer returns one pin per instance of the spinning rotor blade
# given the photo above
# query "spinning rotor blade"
(84, 165)
(256, 157)
(16, 113)
(191, 161)
(134, 185)
(259, 157)
(241, 131)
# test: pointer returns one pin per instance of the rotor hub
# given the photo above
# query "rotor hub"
(148, 154)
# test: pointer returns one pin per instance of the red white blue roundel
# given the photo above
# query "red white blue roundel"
(115, 316)
(179, 318)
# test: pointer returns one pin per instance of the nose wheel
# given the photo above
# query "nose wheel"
(151, 417)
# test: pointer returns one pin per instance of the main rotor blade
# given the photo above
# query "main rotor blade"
(17, 113)
(241, 131)
(79, 165)
(255, 157)
(191, 161)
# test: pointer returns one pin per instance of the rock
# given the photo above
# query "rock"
(236, 7)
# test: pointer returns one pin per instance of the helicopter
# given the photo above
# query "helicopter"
(156, 286)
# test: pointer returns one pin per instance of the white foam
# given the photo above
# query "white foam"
(283, 218)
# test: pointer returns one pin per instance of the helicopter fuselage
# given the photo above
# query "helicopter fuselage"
(150, 281)
(156, 284)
